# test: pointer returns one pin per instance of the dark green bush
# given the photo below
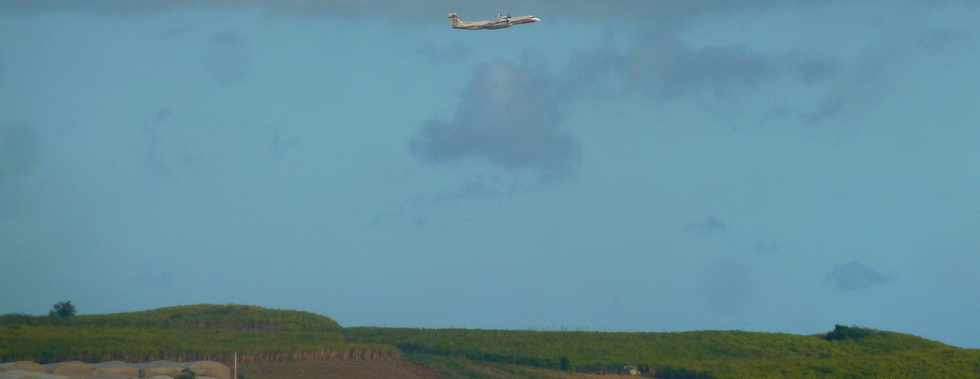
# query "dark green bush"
(62, 310)
(842, 332)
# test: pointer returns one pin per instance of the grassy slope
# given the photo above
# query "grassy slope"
(719, 354)
(448, 367)
(188, 332)
(208, 331)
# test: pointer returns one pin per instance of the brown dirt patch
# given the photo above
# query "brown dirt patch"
(346, 369)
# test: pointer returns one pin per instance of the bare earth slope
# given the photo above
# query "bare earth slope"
(346, 369)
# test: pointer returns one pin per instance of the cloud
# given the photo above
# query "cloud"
(660, 14)
(673, 68)
(227, 57)
(508, 117)
(662, 65)
(854, 276)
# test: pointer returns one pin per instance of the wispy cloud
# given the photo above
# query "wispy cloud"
(662, 65)
(660, 14)
(854, 276)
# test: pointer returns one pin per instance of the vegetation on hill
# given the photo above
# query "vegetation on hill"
(62, 309)
(202, 316)
(703, 354)
(214, 332)
(190, 332)
(842, 332)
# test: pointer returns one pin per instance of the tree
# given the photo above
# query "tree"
(564, 364)
(842, 332)
(63, 310)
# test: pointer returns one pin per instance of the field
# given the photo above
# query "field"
(278, 344)
(449, 367)
(845, 352)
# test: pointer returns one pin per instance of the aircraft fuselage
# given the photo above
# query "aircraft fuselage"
(501, 22)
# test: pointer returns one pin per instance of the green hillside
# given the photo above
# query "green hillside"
(202, 316)
(845, 352)
(183, 332)
(214, 332)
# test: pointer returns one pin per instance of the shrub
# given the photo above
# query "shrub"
(842, 332)
(62, 310)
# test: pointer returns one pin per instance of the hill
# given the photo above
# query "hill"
(201, 316)
(293, 344)
(844, 352)
(193, 332)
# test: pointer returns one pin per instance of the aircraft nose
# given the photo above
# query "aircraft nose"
(535, 19)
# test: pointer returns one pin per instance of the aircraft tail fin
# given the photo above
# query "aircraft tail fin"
(454, 20)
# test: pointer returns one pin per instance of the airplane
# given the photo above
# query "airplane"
(499, 23)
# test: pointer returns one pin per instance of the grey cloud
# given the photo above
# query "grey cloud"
(227, 58)
(661, 14)
(660, 64)
(668, 68)
(854, 276)
(664, 66)
(869, 77)
(96, 6)
(855, 89)
(509, 117)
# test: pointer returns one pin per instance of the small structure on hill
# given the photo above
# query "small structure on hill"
(631, 370)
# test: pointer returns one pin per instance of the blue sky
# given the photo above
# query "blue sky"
(633, 165)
